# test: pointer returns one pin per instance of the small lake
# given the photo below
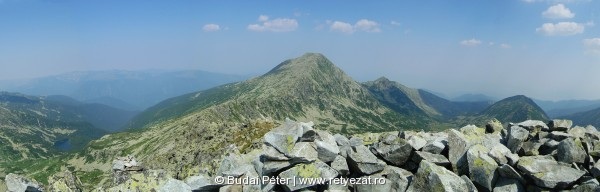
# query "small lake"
(63, 145)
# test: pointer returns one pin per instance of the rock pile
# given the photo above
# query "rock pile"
(526, 156)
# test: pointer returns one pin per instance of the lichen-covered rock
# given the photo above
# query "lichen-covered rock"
(431, 177)
(507, 171)
(18, 183)
(571, 151)
(534, 125)
(64, 181)
(316, 169)
(560, 124)
(502, 155)
(434, 146)
(433, 158)
(306, 151)
(395, 151)
(470, 185)
(363, 161)
(174, 185)
(458, 145)
(416, 141)
(482, 168)
(516, 137)
(493, 126)
(546, 172)
(198, 181)
(284, 137)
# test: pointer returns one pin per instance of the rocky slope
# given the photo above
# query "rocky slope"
(527, 156)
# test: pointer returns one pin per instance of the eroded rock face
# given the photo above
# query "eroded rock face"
(64, 181)
(546, 172)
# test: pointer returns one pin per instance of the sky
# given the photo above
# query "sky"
(546, 49)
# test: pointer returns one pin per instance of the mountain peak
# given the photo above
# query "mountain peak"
(516, 109)
(306, 63)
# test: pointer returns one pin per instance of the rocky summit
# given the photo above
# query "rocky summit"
(526, 156)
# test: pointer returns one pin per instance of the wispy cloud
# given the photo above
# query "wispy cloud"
(592, 46)
(558, 11)
(561, 29)
(361, 25)
(211, 27)
(505, 46)
(395, 23)
(470, 42)
(556, 1)
(275, 25)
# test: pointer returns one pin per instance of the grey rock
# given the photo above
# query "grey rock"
(546, 172)
(471, 187)
(595, 170)
(509, 185)
(340, 164)
(560, 124)
(284, 137)
(431, 177)
(577, 131)
(493, 126)
(458, 145)
(435, 147)
(516, 137)
(533, 125)
(270, 153)
(355, 141)
(417, 142)
(174, 185)
(502, 155)
(571, 151)
(306, 151)
(363, 161)
(433, 158)
(270, 167)
(396, 151)
(509, 172)
(18, 183)
(196, 182)
(387, 186)
(341, 140)
(64, 181)
(316, 169)
(327, 148)
(482, 168)
(531, 147)
(559, 136)
(398, 178)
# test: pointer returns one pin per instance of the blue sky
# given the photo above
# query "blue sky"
(548, 49)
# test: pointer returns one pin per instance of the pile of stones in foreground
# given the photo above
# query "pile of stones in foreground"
(527, 156)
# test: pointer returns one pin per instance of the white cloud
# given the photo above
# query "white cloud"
(471, 42)
(367, 25)
(592, 46)
(395, 23)
(263, 18)
(342, 27)
(561, 29)
(556, 1)
(361, 25)
(275, 25)
(211, 27)
(505, 46)
(558, 11)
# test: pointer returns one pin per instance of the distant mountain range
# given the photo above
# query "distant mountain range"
(130, 90)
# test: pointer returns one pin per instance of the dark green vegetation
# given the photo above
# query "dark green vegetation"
(41, 127)
(591, 117)
(512, 109)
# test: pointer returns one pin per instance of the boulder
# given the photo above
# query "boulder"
(18, 183)
(458, 145)
(198, 181)
(531, 147)
(507, 171)
(578, 132)
(416, 141)
(560, 124)
(306, 151)
(316, 169)
(362, 161)
(559, 136)
(327, 148)
(546, 172)
(341, 165)
(430, 177)
(470, 186)
(433, 158)
(571, 151)
(396, 151)
(434, 146)
(534, 125)
(509, 185)
(387, 186)
(284, 137)
(64, 181)
(174, 185)
(398, 177)
(493, 126)
(502, 155)
(516, 137)
(341, 140)
(482, 168)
